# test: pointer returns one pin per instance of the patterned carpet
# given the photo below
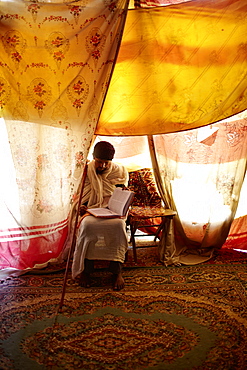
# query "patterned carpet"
(187, 317)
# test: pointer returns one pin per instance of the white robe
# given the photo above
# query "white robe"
(102, 239)
(99, 187)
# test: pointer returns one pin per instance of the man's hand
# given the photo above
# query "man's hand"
(83, 210)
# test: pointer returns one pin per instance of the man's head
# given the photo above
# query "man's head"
(103, 154)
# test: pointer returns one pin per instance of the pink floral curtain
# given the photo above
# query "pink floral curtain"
(56, 61)
(203, 173)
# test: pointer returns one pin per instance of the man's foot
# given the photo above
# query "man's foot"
(118, 281)
(85, 280)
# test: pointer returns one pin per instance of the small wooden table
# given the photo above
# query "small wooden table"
(138, 217)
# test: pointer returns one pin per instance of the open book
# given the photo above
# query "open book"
(118, 205)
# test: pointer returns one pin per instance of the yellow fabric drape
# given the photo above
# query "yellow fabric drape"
(179, 67)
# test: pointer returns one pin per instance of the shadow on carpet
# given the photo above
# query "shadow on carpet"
(187, 317)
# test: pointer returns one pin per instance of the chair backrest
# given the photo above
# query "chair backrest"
(143, 184)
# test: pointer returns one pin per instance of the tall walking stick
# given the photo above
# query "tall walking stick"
(71, 250)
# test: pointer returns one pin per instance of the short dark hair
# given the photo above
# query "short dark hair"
(104, 150)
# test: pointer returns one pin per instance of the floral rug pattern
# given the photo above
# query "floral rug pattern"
(187, 317)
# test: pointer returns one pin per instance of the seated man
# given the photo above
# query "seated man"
(102, 177)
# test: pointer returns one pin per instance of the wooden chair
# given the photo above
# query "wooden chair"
(146, 212)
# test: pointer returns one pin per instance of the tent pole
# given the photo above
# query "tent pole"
(71, 250)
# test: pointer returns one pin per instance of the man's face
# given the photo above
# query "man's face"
(101, 165)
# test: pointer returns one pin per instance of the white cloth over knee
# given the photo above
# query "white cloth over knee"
(101, 239)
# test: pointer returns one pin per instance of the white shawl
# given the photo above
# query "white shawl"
(100, 186)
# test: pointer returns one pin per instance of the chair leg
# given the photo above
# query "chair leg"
(132, 232)
(160, 228)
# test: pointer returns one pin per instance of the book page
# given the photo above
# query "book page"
(103, 212)
(120, 201)
(118, 205)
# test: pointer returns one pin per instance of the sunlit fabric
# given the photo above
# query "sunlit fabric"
(201, 174)
(204, 183)
(179, 67)
(56, 60)
(132, 152)
(152, 3)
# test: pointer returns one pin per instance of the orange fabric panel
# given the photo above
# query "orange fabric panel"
(179, 67)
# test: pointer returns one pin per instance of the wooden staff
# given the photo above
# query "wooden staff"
(71, 250)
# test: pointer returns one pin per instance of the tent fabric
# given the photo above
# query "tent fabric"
(201, 174)
(203, 183)
(56, 61)
(179, 67)
(152, 3)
